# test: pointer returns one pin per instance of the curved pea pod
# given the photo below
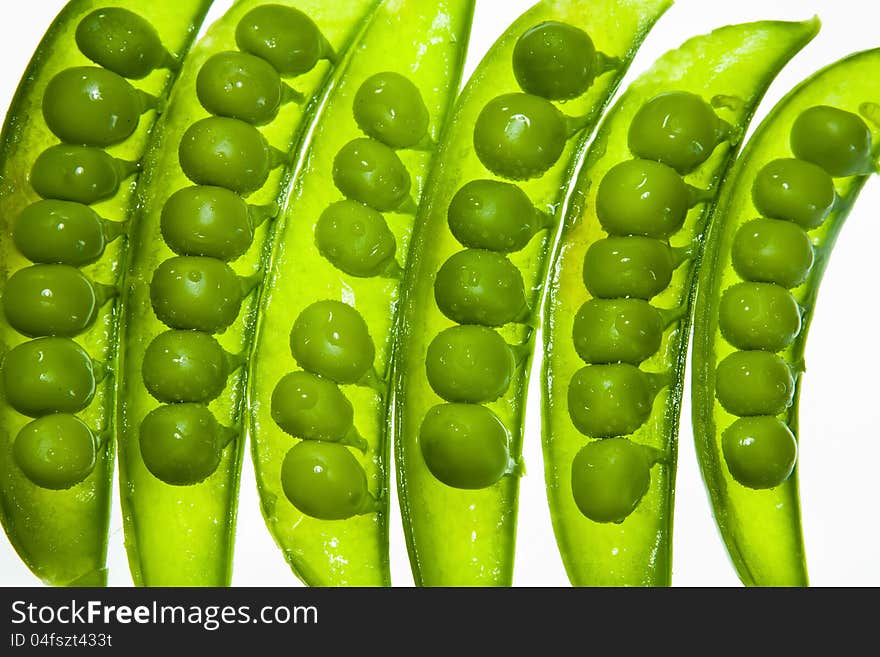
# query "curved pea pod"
(59, 528)
(760, 520)
(179, 513)
(462, 532)
(610, 440)
(313, 270)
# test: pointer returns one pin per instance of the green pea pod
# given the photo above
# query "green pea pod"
(461, 532)
(59, 527)
(321, 264)
(614, 527)
(179, 498)
(760, 520)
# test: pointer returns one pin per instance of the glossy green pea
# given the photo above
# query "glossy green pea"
(772, 251)
(310, 407)
(480, 287)
(78, 173)
(641, 197)
(324, 480)
(185, 366)
(794, 190)
(62, 232)
(609, 400)
(464, 445)
(836, 140)
(494, 215)
(617, 330)
(370, 172)
(555, 60)
(388, 107)
(121, 41)
(56, 451)
(754, 383)
(760, 452)
(639, 267)
(609, 478)
(240, 86)
(355, 238)
(469, 364)
(331, 338)
(189, 292)
(759, 316)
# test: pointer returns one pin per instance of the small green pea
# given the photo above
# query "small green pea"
(121, 41)
(617, 330)
(184, 366)
(609, 400)
(189, 292)
(370, 172)
(754, 383)
(609, 478)
(207, 221)
(794, 190)
(639, 267)
(469, 364)
(310, 407)
(772, 251)
(760, 452)
(388, 107)
(56, 451)
(836, 140)
(555, 60)
(60, 232)
(355, 238)
(759, 316)
(240, 86)
(324, 480)
(78, 173)
(464, 445)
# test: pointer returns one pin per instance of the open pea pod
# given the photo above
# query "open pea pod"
(245, 96)
(80, 121)
(466, 324)
(619, 295)
(318, 388)
(777, 218)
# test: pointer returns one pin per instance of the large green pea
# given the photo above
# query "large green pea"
(465, 445)
(759, 316)
(324, 480)
(639, 267)
(519, 136)
(122, 41)
(469, 364)
(240, 86)
(310, 407)
(480, 287)
(78, 173)
(836, 140)
(191, 292)
(772, 251)
(56, 451)
(617, 330)
(389, 107)
(331, 338)
(368, 171)
(207, 221)
(754, 383)
(60, 232)
(794, 190)
(760, 452)
(609, 478)
(185, 366)
(283, 36)
(609, 400)
(555, 60)
(355, 238)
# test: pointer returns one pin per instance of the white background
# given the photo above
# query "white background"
(840, 410)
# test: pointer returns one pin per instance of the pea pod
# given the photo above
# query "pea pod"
(619, 297)
(210, 188)
(327, 310)
(775, 224)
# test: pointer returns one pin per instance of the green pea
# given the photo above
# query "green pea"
(355, 238)
(794, 190)
(191, 292)
(677, 128)
(836, 140)
(240, 86)
(48, 375)
(185, 366)
(760, 452)
(91, 106)
(464, 445)
(759, 316)
(207, 221)
(469, 364)
(772, 251)
(324, 481)
(121, 41)
(609, 400)
(641, 197)
(555, 60)
(480, 287)
(754, 383)
(182, 444)
(388, 107)
(56, 451)
(609, 478)
(330, 338)
(639, 267)
(60, 232)
(519, 136)
(283, 36)
(370, 172)
(312, 408)
(617, 330)
(78, 173)
(494, 215)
